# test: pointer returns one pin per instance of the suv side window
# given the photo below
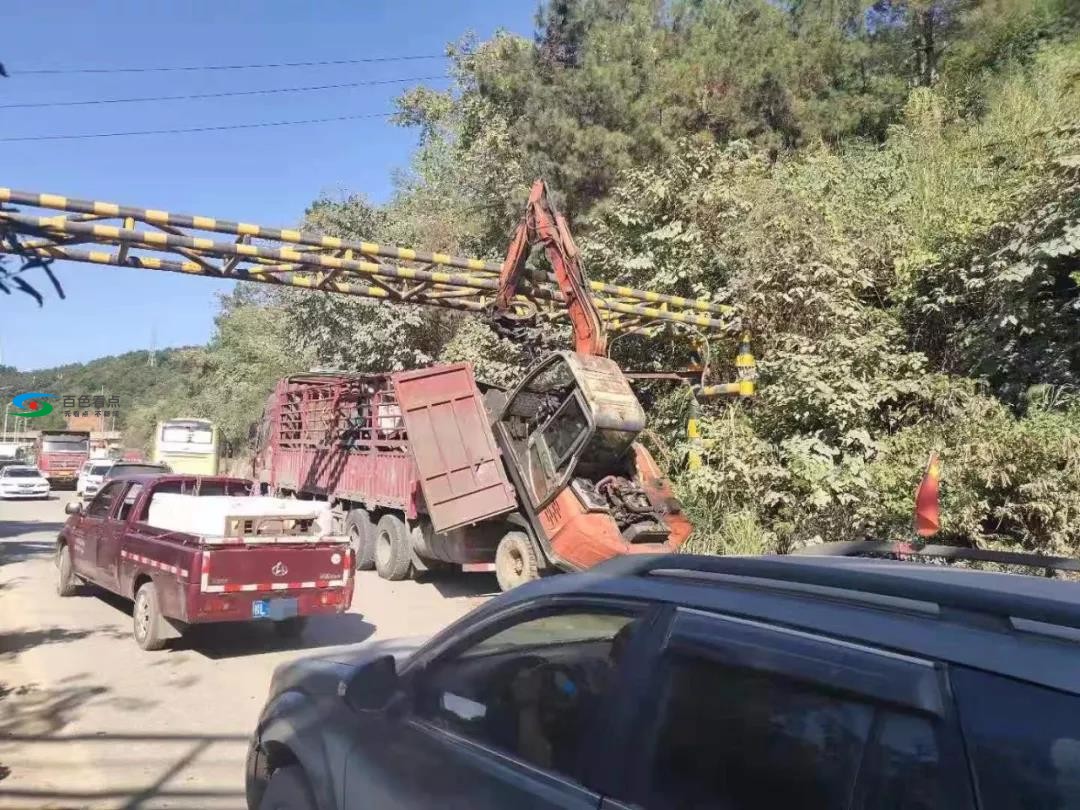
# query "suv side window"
(904, 767)
(1024, 741)
(533, 689)
(102, 504)
(736, 738)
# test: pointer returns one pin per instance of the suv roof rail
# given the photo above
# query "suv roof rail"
(1020, 603)
(860, 547)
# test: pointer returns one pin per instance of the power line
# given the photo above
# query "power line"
(193, 96)
(218, 128)
(365, 61)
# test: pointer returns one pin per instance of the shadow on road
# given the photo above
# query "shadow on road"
(15, 551)
(218, 641)
(170, 757)
(17, 641)
(453, 586)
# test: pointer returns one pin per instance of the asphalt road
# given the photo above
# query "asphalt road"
(87, 719)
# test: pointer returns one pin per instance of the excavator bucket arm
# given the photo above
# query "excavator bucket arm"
(544, 226)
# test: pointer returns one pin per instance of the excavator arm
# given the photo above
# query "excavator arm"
(544, 226)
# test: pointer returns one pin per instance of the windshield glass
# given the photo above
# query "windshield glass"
(65, 444)
(100, 469)
(188, 432)
(563, 431)
(118, 470)
(21, 472)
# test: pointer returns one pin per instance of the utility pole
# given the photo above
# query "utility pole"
(151, 359)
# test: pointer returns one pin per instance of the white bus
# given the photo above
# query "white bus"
(187, 446)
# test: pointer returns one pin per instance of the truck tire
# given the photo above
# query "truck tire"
(287, 790)
(147, 619)
(361, 530)
(67, 584)
(393, 558)
(515, 561)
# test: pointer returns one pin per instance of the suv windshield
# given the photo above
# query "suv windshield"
(100, 469)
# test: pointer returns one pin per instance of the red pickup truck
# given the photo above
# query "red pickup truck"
(267, 565)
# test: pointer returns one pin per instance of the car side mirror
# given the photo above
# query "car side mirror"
(373, 685)
(73, 508)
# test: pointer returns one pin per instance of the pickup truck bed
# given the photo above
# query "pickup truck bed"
(179, 578)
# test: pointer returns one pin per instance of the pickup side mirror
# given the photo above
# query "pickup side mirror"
(373, 685)
(73, 508)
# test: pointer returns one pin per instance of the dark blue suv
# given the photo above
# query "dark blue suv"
(681, 682)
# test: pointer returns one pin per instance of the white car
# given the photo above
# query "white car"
(95, 477)
(20, 481)
(84, 470)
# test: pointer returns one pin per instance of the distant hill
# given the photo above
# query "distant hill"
(129, 377)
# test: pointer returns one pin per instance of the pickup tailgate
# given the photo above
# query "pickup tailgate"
(265, 568)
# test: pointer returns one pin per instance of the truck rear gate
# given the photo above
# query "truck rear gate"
(239, 583)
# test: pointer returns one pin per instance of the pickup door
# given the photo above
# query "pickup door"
(90, 528)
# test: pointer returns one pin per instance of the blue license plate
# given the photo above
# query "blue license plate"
(276, 609)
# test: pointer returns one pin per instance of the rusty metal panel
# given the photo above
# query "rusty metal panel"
(460, 471)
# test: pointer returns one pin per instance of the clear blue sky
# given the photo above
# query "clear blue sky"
(265, 175)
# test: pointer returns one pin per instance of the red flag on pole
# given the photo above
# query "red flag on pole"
(927, 500)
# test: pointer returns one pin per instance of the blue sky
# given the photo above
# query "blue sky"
(265, 175)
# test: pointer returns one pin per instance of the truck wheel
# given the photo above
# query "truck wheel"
(515, 561)
(147, 618)
(67, 584)
(361, 530)
(393, 560)
(287, 790)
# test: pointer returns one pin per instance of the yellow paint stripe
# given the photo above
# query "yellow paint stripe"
(5, 194)
(744, 360)
(247, 250)
(202, 243)
(406, 253)
(289, 235)
(331, 241)
(291, 255)
(440, 258)
(247, 229)
(106, 208)
(369, 247)
(477, 264)
(154, 215)
(208, 223)
(108, 231)
(301, 281)
(156, 238)
(101, 257)
(52, 200)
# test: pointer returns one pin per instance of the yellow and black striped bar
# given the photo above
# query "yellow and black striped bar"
(103, 257)
(291, 236)
(160, 241)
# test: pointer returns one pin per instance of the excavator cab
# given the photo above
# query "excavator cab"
(568, 432)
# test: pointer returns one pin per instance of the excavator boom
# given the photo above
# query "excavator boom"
(543, 225)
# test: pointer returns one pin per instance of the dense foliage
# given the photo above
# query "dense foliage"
(889, 191)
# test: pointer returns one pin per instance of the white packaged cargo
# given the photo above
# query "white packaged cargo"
(239, 516)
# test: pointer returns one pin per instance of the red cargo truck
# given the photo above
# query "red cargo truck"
(427, 472)
(60, 455)
(272, 566)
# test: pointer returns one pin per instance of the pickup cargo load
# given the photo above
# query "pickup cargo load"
(191, 550)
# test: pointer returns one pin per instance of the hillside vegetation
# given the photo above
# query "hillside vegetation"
(889, 191)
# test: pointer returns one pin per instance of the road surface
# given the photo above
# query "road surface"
(87, 719)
